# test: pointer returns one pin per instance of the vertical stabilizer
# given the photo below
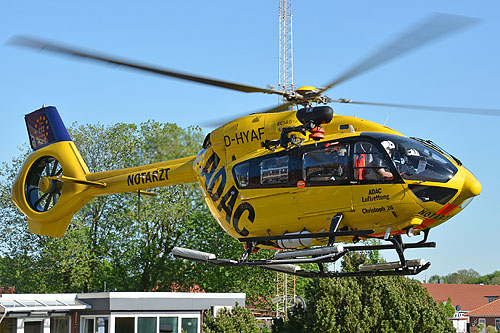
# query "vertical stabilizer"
(45, 126)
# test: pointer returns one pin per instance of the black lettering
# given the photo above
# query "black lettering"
(148, 177)
(137, 178)
(227, 140)
(212, 163)
(375, 191)
(261, 132)
(143, 177)
(254, 135)
(166, 172)
(155, 176)
(222, 175)
(239, 138)
(246, 135)
(227, 202)
(130, 180)
(244, 206)
(161, 177)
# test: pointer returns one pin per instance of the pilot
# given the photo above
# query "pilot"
(389, 147)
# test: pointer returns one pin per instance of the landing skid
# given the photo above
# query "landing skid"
(286, 261)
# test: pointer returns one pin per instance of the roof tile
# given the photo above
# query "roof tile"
(468, 296)
(491, 309)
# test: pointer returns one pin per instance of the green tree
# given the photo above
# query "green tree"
(237, 320)
(447, 307)
(125, 241)
(368, 304)
(469, 276)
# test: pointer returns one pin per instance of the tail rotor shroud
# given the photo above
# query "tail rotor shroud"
(42, 193)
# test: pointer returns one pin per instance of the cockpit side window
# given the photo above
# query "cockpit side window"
(328, 164)
(242, 174)
(274, 170)
(416, 161)
(370, 163)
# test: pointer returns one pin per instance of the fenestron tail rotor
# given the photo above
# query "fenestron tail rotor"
(42, 192)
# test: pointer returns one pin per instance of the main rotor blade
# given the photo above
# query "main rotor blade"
(476, 111)
(61, 49)
(434, 27)
(222, 120)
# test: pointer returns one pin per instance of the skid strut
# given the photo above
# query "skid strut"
(287, 261)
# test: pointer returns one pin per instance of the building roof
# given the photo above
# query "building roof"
(167, 301)
(117, 301)
(40, 302)
(468, 296)
(489, 310)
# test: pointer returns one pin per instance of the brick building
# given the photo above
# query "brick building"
(471, 303)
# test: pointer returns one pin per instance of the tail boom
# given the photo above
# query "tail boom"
(54, 183)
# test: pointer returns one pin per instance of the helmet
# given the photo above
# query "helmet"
(412, 152)
(388, 145)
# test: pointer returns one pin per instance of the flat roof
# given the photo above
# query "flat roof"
(118, 301)
(40, 302)
(160, 301)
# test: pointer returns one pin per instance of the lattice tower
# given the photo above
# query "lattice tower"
(285, 47)
(285, 285)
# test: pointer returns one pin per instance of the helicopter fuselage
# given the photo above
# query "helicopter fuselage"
(255, 188)
(254, 191)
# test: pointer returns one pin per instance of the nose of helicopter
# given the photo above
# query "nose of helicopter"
(471, 187)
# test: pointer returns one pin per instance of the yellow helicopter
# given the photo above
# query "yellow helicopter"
(304, 182)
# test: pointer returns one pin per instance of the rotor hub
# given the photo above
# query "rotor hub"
(45, 184)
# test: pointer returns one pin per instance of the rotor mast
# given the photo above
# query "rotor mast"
(285, 82)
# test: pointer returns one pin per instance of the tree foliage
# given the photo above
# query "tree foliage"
(237, 320)
(367, 304)
(467, 276)
(123, 242)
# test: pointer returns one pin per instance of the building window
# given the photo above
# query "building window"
(88, 325)
(497, 324)
(491, 298)
(190, 325)
(95, 325)
(8, 325)
(146, 325)
(101, 325)
(168, 325)
(59, 325)
(124, 324)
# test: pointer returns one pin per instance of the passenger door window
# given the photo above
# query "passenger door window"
(274, 170)
(326, 165)
(371, 164)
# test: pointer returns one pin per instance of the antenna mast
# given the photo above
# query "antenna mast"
(285, 290)
(285, 48)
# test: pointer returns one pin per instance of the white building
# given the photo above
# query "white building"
(113, 312)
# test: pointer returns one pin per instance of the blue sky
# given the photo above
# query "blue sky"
(238, 41)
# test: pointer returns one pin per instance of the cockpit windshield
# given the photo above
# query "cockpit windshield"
(416, 161)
